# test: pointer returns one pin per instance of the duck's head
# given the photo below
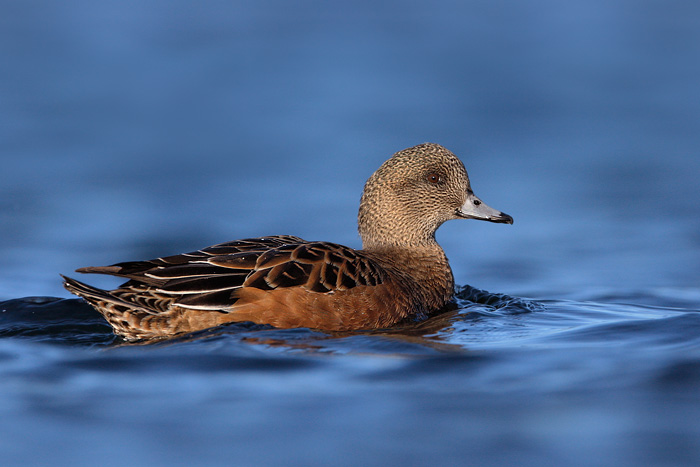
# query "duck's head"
(413, 193)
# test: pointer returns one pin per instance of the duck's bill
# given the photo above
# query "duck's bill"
(474, 208)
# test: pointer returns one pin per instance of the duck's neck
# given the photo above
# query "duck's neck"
(384, 223)
(425, 266)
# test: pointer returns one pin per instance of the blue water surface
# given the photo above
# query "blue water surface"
(131, 130)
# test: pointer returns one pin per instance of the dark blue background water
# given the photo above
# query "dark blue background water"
(130, 130)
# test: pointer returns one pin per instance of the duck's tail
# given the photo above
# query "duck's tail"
(94, 296)
(119, 313)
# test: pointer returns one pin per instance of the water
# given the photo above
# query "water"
(131, 130)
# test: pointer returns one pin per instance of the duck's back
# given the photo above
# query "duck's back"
(282, 280)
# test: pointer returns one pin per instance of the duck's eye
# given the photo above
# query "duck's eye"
(434, 178)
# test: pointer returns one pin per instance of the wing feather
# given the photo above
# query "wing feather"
(208, 279)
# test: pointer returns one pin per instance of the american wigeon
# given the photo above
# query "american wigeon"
(288, 282)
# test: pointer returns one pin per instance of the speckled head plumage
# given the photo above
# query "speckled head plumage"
(413, 193)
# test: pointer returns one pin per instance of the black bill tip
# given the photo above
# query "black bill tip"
(502, 218)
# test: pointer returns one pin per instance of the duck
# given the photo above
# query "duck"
(401, 272)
